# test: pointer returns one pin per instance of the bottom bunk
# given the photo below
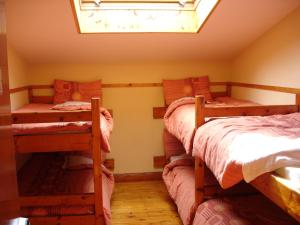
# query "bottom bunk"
(179, 178)
(221, 206)
(242, 210)
(52, 189)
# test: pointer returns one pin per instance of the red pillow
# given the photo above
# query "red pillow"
(86, 91)
(176, 89)
(201, 87)
(74, 91)
(62, 91)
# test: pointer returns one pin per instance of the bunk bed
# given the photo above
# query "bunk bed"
(65, 181)
(203, 185)
(282, 123)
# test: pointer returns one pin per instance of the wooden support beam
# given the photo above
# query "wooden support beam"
(58, 200)
(53, 142)
(48, 117)
(96, 152)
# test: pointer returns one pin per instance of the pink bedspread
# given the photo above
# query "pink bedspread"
(246, 210)
(106, 122)
(180, 117)
(179, 180)
(246, 147)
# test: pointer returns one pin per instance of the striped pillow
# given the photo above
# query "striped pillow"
(176, 89)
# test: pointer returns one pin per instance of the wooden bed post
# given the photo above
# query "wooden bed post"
(298, 101)
(199, 165)
(30, 94)
(228, 89)
(96, 152)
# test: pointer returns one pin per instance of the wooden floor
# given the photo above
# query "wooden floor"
(143, 203)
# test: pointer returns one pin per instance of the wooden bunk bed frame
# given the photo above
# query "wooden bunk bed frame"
(277, 189)
(80, 141)
(56, 142)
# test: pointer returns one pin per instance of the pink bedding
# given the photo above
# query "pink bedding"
(246, 210)
(43, 175)
(33, 128)
(179, 179)
(246, 147)
(180, 117)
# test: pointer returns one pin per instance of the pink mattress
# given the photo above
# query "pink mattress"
(247, 147)
(47, 128)
(43, 175)
(245, 210)
(180, 117)
(179, 179)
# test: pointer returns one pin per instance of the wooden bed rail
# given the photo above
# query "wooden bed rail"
(48, 117)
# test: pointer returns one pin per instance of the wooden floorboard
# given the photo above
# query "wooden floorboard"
(143, 203)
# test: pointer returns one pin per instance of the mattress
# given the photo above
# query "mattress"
(62, 127)
(179, 179)
(43, 174)
(243, 210)
(179, 118)
(292, 174)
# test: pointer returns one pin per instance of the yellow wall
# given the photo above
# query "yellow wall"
(17, 78)
(274, 59)
(136, 136)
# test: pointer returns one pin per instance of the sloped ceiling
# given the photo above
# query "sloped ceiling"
(44, 31)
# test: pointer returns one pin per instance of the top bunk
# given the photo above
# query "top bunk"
(63, 122)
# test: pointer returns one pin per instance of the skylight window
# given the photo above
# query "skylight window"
(109, 16)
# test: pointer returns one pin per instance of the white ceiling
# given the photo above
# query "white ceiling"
(44, 31)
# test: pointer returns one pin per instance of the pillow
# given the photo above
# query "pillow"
(72, 105)
(62, 91)
(201, 87)
(86, 91)
(176, 89)
(69, 90)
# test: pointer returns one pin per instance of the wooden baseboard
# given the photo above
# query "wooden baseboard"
(131, 177)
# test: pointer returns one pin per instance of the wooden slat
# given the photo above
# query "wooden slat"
(53, 143)
(280, 191)
(96, 152)
(250, 110)
(159, 161)
(64, 220)
(82, 199)
(42, 86)
(267, 87)
(297, 101)
(128, 85)
(55, 116)
(130, 177)
(109, 164)
(19, 89)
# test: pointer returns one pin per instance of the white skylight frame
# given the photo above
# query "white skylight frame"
(142, 16)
